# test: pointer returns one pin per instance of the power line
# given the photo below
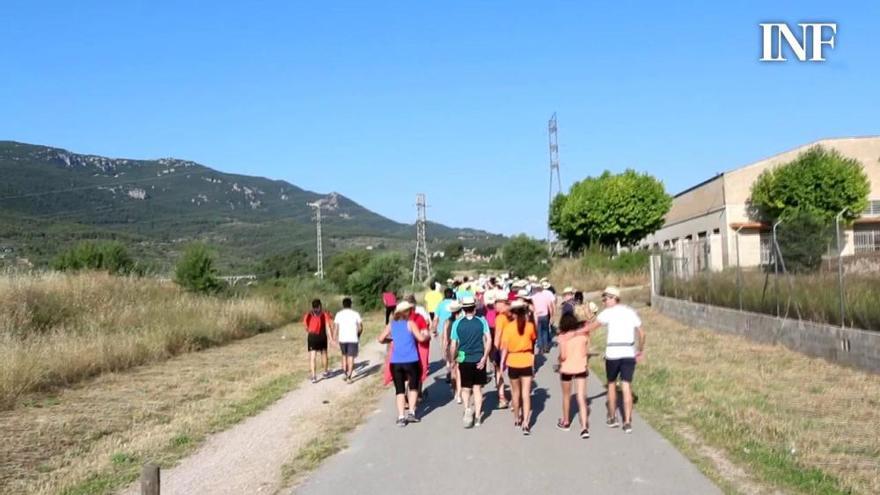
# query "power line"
(553, 139)
(422, 261)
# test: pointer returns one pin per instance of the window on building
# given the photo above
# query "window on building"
(873, 207)
(716, 231)
(766, 248)
(867, 240)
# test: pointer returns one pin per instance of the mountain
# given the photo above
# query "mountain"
(51, 198)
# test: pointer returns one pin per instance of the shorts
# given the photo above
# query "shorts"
(470, 375)
(495, 356)
(624, 368)
(431, 314)
(565, 377)
(406, 372)
(349, 349)
(514, 373)
(317, 342)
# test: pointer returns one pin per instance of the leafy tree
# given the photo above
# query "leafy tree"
(343, 265)
(609, 209)
(286, 265)
(442, 273)
(523, 255)
(453, 250)
(803, 239)
(110, 256)
(820, 181)
(383, 273)
(195, 270)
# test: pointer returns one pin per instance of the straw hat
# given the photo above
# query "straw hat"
(468, 302)
(403, 306)
(524, 294)
(454, 307)
(569, 290)
(518, 304)
(611, 291)
(545, 284)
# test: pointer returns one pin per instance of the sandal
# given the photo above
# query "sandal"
(563, 426)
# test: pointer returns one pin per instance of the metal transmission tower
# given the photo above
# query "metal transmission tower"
(554, 169)
(422, 261)
(317, 206)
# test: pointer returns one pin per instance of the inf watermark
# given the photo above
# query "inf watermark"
(815, 37)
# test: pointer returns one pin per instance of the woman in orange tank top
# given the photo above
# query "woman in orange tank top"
(574, 346)
(517, 356)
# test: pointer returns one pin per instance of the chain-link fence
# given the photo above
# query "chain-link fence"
(802, 268)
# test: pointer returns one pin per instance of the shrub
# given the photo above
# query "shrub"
(344, 264)
(110, 256)
(291, 264)
(383, 273)
(525, 256)
(195, 271)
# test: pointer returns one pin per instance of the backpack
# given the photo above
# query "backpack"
(323, 328)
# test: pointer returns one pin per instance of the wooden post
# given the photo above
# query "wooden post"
(150, 479)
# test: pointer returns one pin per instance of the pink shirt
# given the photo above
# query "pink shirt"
(544, 301)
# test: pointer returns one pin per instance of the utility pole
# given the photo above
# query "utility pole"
(320, 251)
(554, 169)
(422, 261)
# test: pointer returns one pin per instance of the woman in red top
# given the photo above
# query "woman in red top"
(317, 322)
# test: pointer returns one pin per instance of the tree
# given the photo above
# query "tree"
(819, 181)
(286, 265)
(609, 209)
(110, 256)
(453, 250)
(195, 271)
(343, 265)
(803, 239)
(383, 273)
(524, 256)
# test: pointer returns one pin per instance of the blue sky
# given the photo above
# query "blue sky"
(382, 100)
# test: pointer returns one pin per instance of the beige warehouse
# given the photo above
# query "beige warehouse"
(702, 224)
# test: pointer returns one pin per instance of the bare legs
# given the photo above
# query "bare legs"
(566, 401)
(581, 391)
(626, 388)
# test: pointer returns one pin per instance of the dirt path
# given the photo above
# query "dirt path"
(248, 457)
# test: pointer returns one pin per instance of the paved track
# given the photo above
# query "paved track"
(439, 456)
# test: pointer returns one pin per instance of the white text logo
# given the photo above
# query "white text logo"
(815, 36)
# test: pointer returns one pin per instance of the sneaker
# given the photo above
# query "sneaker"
(326, 375)
(526, 430)
(477, 422)
(412, 418)
(458, 399)
(562, 426)
(612, 422)
(314, 379)
(627, 428)
(468, 418)
(585, 433)
(401, 422)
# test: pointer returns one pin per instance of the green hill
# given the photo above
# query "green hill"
(51, 198)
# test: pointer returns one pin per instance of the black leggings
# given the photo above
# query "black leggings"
(406, 372)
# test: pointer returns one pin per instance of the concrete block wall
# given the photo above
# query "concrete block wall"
(847, 346)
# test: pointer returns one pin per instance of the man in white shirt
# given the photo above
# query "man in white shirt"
(348, 328)
(621, 356)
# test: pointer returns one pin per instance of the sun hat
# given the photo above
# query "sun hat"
(543, 279)
(533, 278)
(403, 306)
(480, 289)
(611, 291)
(545, 285)
(569, 290)
(524, 294)
(454, 307)
(468, 302)
(518, 304)
(489, 298)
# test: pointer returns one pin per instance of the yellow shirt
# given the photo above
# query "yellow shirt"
(432, 299)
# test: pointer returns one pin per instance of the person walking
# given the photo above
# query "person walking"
(438, 326)
(432, 300)
(348, 328)
(573, 371)
(502, 318)
(625, 347)
(389, 300)
(405, 368)
(471, 343)
(568, 302)
(544, 303)
(317, 322)
(455, 314)
(419, 316)
(517, 356)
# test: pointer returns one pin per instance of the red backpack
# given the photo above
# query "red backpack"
(323, 327)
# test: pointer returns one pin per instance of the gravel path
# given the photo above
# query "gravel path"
(248, 457)
(440, 456)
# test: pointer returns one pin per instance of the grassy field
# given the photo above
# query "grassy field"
(758, 418)
(58, 329)
(814, 297)
(575, 273)
(93, 437)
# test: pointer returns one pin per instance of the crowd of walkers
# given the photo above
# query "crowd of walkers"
(491, 329)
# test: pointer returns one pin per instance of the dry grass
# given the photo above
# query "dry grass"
(572, 272)
(57, 329)
(93, 437)
(791, 422)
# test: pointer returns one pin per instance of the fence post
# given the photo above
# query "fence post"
(776, 255)
(651, 262)
(840, 269)
(150, 479)
(739, 291)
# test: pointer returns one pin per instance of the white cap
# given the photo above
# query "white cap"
(611, 291)
(403, 306)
